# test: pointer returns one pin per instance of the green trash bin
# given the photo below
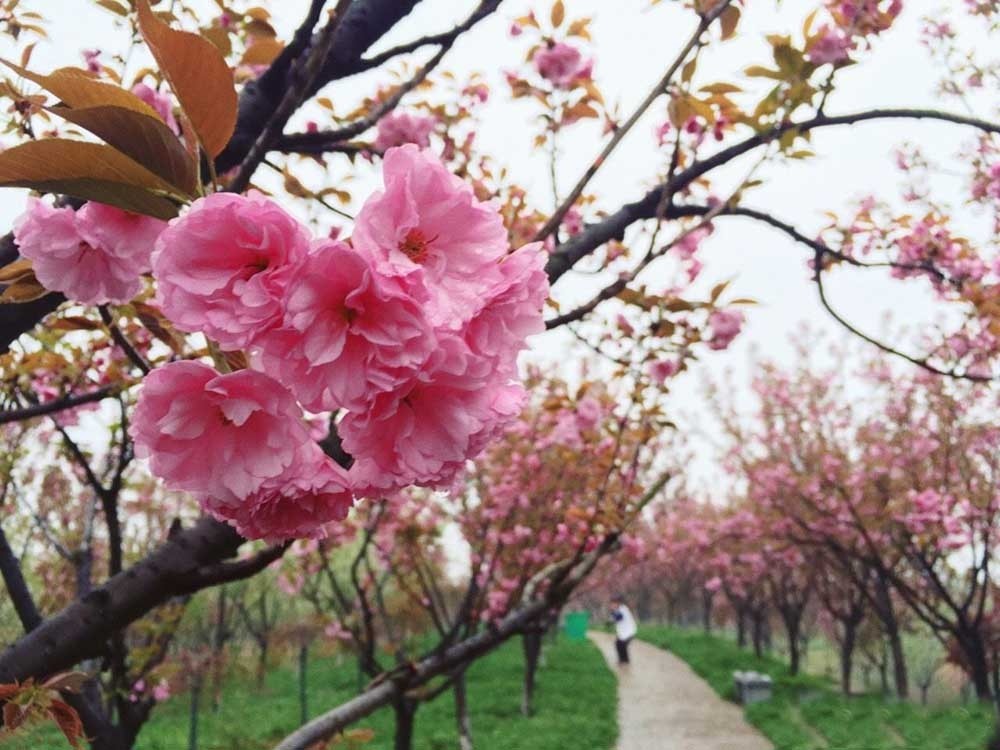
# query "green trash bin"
(576, 625)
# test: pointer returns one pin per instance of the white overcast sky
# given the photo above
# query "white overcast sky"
(633, 43)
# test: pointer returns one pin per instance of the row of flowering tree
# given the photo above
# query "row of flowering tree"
(866, 504)
(195, 283)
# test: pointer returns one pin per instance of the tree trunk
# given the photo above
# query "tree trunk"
(193, 714)
(792, 621)
(706, 610)
(462, 720)
(219, 637)
(264, 646)
(887, 614)
(741, 629)
(405, 711)
(847, 657)
(979, 671)
(923, 694)
(531, 642)
(303, 692)
(758, 634)
(899, 671)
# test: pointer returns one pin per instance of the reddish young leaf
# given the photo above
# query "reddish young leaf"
(68, 720)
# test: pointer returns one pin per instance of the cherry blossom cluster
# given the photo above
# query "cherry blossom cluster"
(409, 333)
(853, 23)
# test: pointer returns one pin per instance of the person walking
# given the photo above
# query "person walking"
(625, 627)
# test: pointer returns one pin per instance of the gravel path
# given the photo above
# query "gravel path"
(663, 705)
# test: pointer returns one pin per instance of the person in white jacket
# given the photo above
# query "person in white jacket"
(625, 627)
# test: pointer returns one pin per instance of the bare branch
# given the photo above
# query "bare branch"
(56, 405)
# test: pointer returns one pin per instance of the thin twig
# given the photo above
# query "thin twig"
(620, 133)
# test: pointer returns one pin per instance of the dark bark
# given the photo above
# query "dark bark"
(847, 644)
(741, 629)
(303, 683)
(220, 635)
(463, 722)
(405, 712)
(899, 670)
(531, 643)
(263, 646)
(757, 619)
(974, 652)
(707, 600)
(81, 629)
(365, 23)
(793, 627)
(193, 712)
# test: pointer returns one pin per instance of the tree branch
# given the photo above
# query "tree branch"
(56, 405)
(566, 255)
(659, 89)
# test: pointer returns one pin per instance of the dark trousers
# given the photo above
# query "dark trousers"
(622, 648)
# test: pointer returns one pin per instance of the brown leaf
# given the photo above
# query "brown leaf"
(558, 12)
(728, 20)
(198, 75)
(262, 51)
(92, 171)
(146, 139)
(16, 270)
(77, 89)
(23, 290)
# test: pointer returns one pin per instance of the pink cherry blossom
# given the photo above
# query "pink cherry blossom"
(94, 255)
(349, 332)
(830, 45)
(663, 369)
(424, 433)
(512, 309)
(562, 64)
(428, 226)
(222, 267)
(161, 691)
(398, 128)
(218, 436)
(725, 325)
(160, 102)
(297, 504)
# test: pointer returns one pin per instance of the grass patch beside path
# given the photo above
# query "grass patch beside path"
(807, 713)
(576, 706)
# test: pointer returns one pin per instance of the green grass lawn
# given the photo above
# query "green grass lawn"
(807, 713)
(575, 707)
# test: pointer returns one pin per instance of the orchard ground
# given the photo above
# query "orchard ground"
(576, 706)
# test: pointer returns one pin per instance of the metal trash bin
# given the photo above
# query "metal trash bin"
(752, 687)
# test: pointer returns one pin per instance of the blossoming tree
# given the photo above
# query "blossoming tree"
(279, 374)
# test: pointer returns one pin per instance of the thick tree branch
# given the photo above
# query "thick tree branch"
(566, 255)
(328, 140)
(81, 629)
